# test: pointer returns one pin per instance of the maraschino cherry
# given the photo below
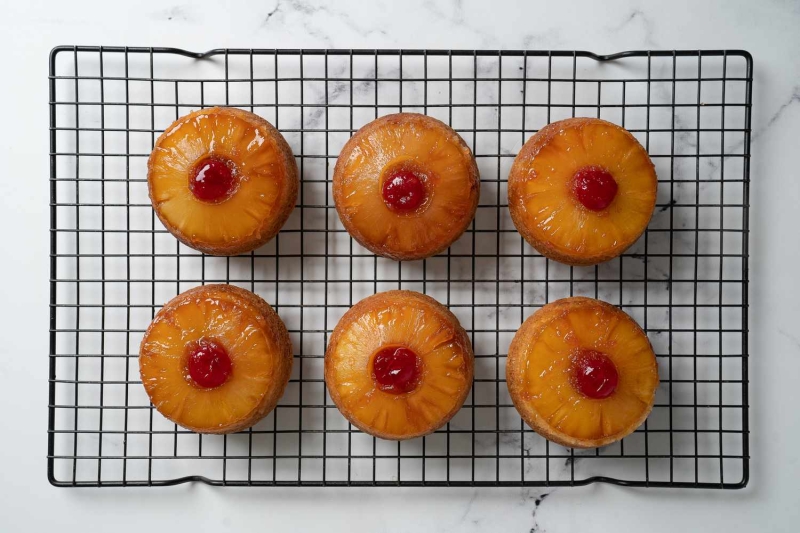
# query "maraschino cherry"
(212, 180)
(208, 363)
(403, 191)
(594, 374)
(594, 187)
(396, 369)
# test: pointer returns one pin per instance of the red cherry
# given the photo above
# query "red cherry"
(594, 187)
(396, 369)
(208, 363)
(594, 374)
(212, 180)
(403, 191)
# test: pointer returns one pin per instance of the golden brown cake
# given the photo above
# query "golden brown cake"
(582, 373)
(582, 190)
(222, 180)
(406, 186)
(399, 365)
(215, 359)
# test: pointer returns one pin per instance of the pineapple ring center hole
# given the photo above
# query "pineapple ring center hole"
(594, 187)
(593, 374)
(208, 364)
(404, 189)
(213, 179)
(396, 369)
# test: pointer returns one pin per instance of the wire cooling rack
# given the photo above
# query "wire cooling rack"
(113, 265)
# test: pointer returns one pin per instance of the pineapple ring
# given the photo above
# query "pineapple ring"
(538, 372)
(255, 338)
(546, 212)
(406, 142)
(264, 168)
(421, 324)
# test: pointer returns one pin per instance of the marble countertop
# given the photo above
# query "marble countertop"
(28, 30)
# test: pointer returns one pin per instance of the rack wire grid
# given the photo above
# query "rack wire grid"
(113, 264)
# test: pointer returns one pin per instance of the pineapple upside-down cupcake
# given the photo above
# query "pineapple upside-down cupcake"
(582, 373)
(215, 359)
(222, 180)
(582, 190)
(399, 365)
(406, 186)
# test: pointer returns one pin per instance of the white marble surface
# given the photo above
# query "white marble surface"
(769, 31)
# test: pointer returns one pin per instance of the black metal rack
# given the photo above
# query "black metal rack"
(113, 265)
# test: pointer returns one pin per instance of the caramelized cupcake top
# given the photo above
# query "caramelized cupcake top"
(582, 373)
(582, 190)
(406, 186)
(399, 365)
(222, 180)
(215, 359)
